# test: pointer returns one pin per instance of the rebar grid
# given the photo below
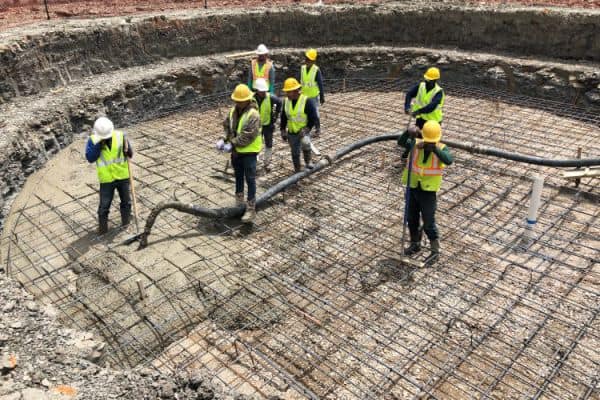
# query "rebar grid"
(311, 301)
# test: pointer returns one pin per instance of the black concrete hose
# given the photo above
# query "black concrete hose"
(238, 211)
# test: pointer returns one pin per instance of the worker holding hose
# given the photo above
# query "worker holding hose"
(269, 107)
(243, 138)
(108, 149)
(297, 119)
(429, 100)
(429, 157)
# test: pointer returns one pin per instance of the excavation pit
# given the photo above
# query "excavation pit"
(306, 303)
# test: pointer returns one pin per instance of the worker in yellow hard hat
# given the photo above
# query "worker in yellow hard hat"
(243, 138)
(429, 100)
(262, 67)
(297, 119)
(311, 80)
(428, 159)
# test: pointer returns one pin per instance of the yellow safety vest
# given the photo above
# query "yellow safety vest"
(112, 163)
(424, 98)
(296, 116)
(427, 174)
(308, 80)
(261, 72)
(256, 145)
(265, 110)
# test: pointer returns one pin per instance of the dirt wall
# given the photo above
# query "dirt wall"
(54, 55)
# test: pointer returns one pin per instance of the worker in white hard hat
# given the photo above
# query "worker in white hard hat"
(269, 107)
(429, 100)
(108, 148)
(311, 80)
(262, 67)
(297, 119)
(429, 158)
(242, 137)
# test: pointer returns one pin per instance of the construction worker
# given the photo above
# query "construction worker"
(429, 100)
(297, 119)
(311, 80)
(108, 149)
(429, 157)
(242, 129)
(269, 107)
(262, 67)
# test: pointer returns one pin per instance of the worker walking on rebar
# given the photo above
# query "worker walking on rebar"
(262, 67)
(297, 119)
(108, 149)
(429, 158)
(269, 106)
(243, 138)
(429, 100)
(311, 80)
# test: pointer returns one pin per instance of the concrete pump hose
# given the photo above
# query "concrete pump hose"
(234, 212)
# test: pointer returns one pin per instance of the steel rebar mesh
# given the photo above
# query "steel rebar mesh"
(312, 301)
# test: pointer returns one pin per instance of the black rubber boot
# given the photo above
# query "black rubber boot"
(296, 162)
(413, 248)
(435, 252)
(125, 219)
(102, 225)
(307, 156)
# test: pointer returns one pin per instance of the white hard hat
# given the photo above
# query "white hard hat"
(103, 128)
(262, 49)
(261, 85)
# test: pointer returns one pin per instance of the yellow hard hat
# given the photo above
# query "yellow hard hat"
(432, 132)
(311, 54)
(291, 84)
(432, 74)
(242, 93)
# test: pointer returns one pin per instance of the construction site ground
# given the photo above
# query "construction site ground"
(312, 301)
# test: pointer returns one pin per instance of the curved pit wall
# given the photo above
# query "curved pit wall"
(56, 79)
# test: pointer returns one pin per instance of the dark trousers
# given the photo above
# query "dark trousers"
(422, 204)
(267, 133)
(315, 101)
(107, 191)
(244, 165)
(295, 146)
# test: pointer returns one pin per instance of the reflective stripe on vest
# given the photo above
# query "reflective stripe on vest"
(112, 164)
(296, 116)
(265, 110)
(256, 145)
(261, 72)
(424, 98)
(308, 80)
(426, 175)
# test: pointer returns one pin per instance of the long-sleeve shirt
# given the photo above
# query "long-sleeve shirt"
(412, 93)
(276, 104)
(271, 77)
(443, 154)
(249, 131)
(309, 109)
(92, 151)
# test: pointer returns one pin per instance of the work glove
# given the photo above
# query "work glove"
(415, 113)
(219, 145)
(322, 100)
(414, 132)
(227, 147)
(284, 135)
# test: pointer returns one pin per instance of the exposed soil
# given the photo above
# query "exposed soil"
(22, 12)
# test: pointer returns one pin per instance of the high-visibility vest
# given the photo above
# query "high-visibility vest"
(308, 80)
(256, 145)
(265, 110)
(111, 165)
(424, 98)
(296, 116)
(261, 72)
(427, 174)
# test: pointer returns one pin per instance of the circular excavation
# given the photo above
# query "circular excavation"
(314, 299)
